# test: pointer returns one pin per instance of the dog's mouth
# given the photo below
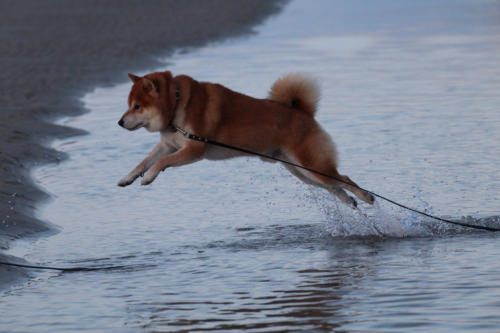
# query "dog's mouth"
(136, 127)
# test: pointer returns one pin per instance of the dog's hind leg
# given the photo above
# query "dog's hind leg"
(309, 178)
(343, 196)
(317, 152)
(351, 186)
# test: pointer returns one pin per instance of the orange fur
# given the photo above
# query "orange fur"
(297, 91)
(282, 126)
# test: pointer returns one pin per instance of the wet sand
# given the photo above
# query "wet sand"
(53, 52)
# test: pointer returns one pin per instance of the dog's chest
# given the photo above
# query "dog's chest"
(173, 139)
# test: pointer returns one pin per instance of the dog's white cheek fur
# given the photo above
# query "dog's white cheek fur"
(154, 120)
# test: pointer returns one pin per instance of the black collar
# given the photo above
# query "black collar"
(177, 95)
(177, 100)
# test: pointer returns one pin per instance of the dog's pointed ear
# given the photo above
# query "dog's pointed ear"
(150, 86)
(133, 78)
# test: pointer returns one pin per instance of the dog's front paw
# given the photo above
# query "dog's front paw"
(125, 181)
(149, 177)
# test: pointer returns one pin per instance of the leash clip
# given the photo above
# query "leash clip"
(190, 136)
(183, 132)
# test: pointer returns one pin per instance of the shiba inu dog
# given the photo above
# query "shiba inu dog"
(282, 126)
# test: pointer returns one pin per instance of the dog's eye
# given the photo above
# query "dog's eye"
(136, 107)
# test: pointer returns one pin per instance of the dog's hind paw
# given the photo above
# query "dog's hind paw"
(354, 203)
(369, 198)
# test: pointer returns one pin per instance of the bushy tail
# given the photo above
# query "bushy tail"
(297, 91)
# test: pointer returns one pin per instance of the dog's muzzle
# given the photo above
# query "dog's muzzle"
(120, 122)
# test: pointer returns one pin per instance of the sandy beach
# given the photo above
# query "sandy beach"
(53, 52)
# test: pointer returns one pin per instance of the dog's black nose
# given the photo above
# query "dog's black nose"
(120, 122)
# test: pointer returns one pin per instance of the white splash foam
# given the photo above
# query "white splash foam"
(380, 220)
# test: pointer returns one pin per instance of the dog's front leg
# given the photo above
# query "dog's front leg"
(159, 151)
(190, 153)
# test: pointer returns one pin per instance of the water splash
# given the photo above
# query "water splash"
(386, 220)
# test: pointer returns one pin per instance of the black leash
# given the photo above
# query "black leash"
(246, 151)
(63, 269)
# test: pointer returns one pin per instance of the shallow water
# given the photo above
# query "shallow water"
(410, 96)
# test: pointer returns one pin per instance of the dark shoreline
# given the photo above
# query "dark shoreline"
(53, 52)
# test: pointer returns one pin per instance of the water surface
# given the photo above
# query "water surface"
(409, 95)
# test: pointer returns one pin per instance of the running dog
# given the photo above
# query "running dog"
(281, 126)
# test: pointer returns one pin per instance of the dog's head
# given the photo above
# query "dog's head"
(151, 102)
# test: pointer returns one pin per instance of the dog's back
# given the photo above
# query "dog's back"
(282, 119)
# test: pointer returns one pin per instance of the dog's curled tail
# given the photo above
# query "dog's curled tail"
(297, 91)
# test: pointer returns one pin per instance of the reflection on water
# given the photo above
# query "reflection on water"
(410, 96)
(314, 301)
